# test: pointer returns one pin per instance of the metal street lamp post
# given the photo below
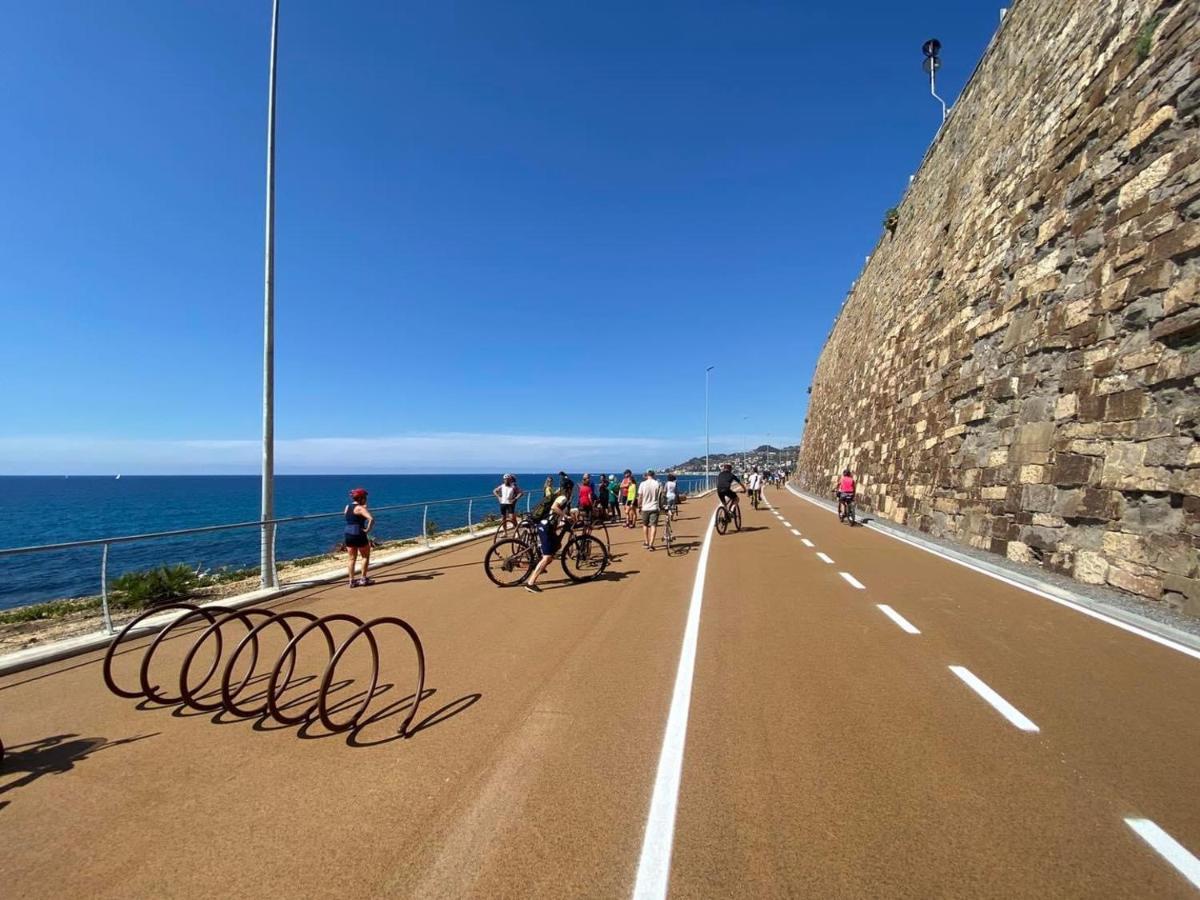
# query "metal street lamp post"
(267, 555)
(706, 371)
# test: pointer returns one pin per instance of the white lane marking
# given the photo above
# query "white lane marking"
(997, 702)
(898, 619)
(823, 558)
(1061, 601)
(795, 532)
(1168, 848)
(807, 543)
(654, 867)
(787, 524)
(852, 581)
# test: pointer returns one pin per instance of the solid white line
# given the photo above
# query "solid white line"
(997, 702)
(806, 542)
(823, 558)
(1168, 848)
(1061, 601)
(654, 867)
(898, 619)
(795, 532)
(852, 581)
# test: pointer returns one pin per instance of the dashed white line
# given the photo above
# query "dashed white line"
(825, 559)
(654, 866)
(786, 523)
(898, 619)
(795, 532)
(807, 543)
(997, 702)
(852, 581)
(1062, 601)
(1168, 848)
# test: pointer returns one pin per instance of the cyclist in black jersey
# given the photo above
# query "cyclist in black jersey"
(725, 481)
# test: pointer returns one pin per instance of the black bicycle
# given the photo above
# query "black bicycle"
(726, 515)
(511, 561)
(846, 509)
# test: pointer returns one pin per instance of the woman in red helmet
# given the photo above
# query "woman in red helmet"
(359, 521)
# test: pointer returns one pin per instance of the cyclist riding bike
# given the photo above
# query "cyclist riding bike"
(846, 490)
(756, 485)
(725, 482)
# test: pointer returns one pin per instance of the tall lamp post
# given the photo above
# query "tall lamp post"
(745, 440)
(706, 371)
(267, 555)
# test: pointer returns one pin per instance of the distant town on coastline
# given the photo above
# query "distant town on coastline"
(764, 456)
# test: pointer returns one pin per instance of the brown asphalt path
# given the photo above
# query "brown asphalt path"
(835, 755)
(828, 753)
(537, 788)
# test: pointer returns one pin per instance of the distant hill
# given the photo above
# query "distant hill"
(764, 457)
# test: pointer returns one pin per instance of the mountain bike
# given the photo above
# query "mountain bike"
(509, 562)
(728, 514)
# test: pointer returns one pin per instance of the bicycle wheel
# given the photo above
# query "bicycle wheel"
(668, 535)
(736, 515)
(509, 562)
(584, 558)
(722, 520)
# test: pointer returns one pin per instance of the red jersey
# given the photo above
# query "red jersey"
(585, 496)
(846, 485)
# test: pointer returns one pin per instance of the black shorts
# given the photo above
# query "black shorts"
(507, 509)
(357, 540)
(725, 494)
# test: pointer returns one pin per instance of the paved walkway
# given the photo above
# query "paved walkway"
(826, 751)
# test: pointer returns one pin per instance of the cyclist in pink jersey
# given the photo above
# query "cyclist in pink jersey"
(846, 489)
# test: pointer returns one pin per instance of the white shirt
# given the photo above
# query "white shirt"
(671, 488)
(507, 493)
(648, 495)
(755, 481)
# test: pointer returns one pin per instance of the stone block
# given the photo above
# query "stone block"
(1181, 295)
(1145, 585)
(1180, 241)
(995, 492)
(1090, 567)
(1066, 406)
(1179, 328)
(1145, 181)
(1020, 552)
(1031, 474)
(1038, 497)
(1073, 469)
(1172, 451)
(1124, 405)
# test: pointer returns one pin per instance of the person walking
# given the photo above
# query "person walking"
(553, 516)
(508, 492)
(359, 522)
(647, 499)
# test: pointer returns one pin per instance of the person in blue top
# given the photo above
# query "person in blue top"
(359, 522)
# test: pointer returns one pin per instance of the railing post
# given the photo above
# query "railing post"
(108, 625)
(470, 527)
(425, 523)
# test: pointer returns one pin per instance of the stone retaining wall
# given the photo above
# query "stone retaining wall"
(1016, 368)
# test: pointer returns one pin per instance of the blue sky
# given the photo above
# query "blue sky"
(509, 235)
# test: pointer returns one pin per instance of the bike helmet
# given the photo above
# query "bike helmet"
(845, 471)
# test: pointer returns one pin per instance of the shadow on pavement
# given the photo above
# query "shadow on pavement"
(356, 736)
(53, 756)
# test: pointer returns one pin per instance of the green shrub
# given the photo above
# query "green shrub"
(161, 585)
(225, 576)
(431, 529)
(891, 219)
(1145, 37)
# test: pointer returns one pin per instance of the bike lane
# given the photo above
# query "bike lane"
(830, 753)
(537, 787)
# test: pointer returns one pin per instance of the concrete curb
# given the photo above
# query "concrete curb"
(1019, 578)
(56, 650)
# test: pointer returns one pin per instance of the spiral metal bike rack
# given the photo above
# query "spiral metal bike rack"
(225, 696)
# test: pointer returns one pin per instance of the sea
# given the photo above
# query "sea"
(36, 510)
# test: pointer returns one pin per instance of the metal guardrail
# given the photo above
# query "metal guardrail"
(106, 542)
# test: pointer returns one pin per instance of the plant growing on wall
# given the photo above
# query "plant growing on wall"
(891, 219)
(1145, 37)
